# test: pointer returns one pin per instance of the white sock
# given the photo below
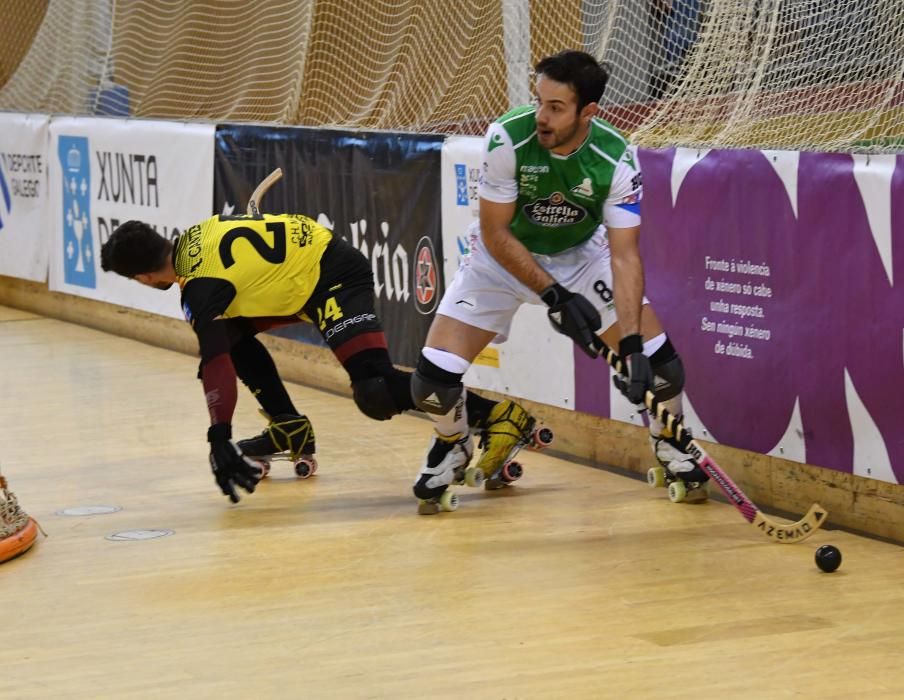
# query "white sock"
(446, 360)
(653, 344)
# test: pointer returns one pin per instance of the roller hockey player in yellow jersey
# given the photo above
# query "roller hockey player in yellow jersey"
(241, 275)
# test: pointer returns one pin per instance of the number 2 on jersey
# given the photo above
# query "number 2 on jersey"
(275, 254)
(330, 310)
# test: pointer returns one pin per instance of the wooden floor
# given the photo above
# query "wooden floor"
(577, 583)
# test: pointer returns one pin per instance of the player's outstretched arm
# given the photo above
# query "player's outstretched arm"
(628, 283)
(569, 313)
(231, 469)
(508, 250)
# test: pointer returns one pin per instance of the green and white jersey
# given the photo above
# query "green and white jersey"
(561, 200)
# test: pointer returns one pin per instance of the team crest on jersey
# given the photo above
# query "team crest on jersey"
(426, 277)
(301, 232)
(554, 210)
(585, 188)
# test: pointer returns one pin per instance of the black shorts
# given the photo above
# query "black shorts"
(342, 304)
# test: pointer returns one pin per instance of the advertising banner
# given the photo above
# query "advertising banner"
(778, 276)
(535, 363)
(24, 205)
(379, 191)
(103, 172)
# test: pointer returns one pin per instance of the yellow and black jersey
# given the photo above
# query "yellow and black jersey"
(242, 266)
(241, 275)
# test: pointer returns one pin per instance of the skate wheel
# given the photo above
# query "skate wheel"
(448, 501)
(474, 476)
(512, 472)
(677, 491)
(306, 466)
(656, 477)
(263, 465)
(542, 438)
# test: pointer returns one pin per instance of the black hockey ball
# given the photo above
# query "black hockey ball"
(828, 558)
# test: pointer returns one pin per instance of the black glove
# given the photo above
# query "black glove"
(637, 368)
(230, 467)
(573, 315)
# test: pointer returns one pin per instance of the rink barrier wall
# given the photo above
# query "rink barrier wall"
(776, 485)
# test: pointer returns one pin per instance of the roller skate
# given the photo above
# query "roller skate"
(509, 429)
(445, 464)
(677, 471)
(288, 437)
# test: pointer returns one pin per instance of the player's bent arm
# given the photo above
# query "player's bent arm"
(508, 250)
(217, 371)
(627, 277)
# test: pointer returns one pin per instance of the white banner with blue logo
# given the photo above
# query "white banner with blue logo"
(24, 209)
(536, 363)
(103, 172)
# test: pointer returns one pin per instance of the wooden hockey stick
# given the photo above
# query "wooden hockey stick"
(259, 192)
(774, 530)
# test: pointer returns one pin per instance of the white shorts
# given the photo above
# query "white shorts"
(484, 294)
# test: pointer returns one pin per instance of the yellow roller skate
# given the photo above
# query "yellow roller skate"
(509, 429)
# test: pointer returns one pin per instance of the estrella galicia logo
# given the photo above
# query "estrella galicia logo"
(554, 210)
(461, 185)
(78, 243)
(426, 277)
(5, 199)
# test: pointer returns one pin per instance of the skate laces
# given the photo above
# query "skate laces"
(511, 422)
(291, 434)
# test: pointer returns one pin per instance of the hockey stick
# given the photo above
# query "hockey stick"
(774, 530)
(260, 191)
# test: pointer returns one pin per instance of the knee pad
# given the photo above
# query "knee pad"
(669, 379)
(433, 389)
(374, 398)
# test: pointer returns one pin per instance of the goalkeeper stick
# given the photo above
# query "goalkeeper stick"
(774, 530)
(259, 192)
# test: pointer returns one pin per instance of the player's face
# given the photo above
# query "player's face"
(561, 128)
(152, 279)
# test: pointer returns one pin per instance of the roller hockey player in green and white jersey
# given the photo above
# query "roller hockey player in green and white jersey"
(560, 212)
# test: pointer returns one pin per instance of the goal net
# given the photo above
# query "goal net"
(793, 74)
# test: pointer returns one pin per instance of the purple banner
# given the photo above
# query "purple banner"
(780, 278)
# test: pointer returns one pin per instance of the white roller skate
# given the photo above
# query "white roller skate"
(288, 437)
(677, 471)
(445, 463)
(509, 429)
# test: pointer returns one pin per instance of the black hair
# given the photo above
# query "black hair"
(134, 248)
(586, 76)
